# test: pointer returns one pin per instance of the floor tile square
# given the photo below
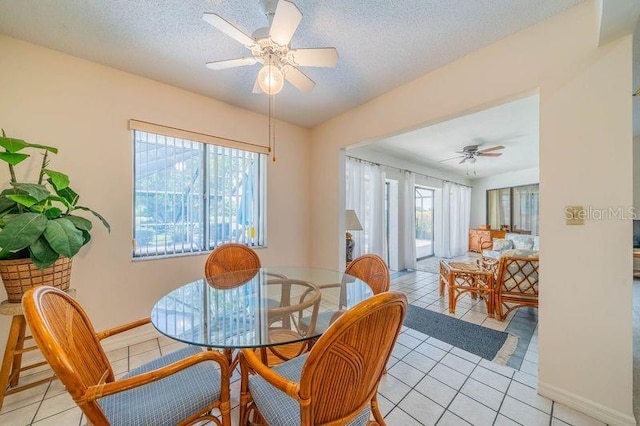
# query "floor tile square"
(466, 355)
(399, 417)
(392, 389)
(523, 413)
(500, 369)
(439, 344)
(483, 393)
(419, 361)
(422, 408)
(431, 351)
(461, 365)
(529, 396)
(472, 411)
(436, 391)
(450, 419)
(491, 378)
(448, 376)
(408, 341)
(406, 373)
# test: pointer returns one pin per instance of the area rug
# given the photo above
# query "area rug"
(496, 346)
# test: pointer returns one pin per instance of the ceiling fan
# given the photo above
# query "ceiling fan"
(471, 152)
(270, 46)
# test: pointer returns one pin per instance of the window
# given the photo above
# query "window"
(424, 222)
(191, 196)
(515, 209)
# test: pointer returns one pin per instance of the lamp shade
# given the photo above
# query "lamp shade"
(352, 222)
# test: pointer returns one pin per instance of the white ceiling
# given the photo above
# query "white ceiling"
(515, 125)
(382, 43)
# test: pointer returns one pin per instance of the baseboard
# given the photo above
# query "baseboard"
(142, 334)
(586, 406)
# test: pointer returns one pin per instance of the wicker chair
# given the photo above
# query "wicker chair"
(178, 388)
(231, 257)
(336, 383)
(516, 285)
(371, 269)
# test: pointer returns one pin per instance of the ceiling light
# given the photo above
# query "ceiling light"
(271, 79)
(471, 160)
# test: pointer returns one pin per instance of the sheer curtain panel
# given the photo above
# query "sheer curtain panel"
(409, 219)
(456, 215)
(365, 194)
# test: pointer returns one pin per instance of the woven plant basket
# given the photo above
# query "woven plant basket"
(19, 275)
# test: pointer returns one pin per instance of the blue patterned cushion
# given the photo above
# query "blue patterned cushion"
(166, 401)
(500, 244)
(277, 408)
(521, 241)
(492, 253)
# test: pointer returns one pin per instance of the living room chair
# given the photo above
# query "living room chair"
(336, 383)
(231, 257)
(179, 388)
(369, 268)
(516, 285)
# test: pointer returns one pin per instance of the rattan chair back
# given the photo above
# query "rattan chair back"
(69, 343)
(371, 269)
(231, 257)
(516, 285)
(341, 375)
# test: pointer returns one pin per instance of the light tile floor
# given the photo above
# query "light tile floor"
(428, 382)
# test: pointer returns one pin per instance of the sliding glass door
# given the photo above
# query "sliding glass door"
(424, 222)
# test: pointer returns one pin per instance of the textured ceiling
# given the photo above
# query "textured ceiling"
(515, 125)
(382, 43)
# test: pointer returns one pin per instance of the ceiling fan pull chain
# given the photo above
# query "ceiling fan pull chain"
(273, 108)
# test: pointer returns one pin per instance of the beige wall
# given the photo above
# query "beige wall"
(83, 108)
(585, 311)
(636, 174)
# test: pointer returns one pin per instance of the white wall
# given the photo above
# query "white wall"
(480, 187)
(585, 300)
(83, 109)
(636, 174)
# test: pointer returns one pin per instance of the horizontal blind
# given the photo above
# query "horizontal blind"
(145, 126)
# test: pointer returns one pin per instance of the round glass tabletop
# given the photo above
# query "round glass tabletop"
(257, 307)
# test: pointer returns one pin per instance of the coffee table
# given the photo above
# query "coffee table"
(463, 277)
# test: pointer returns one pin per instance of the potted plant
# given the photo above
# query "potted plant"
(40, 231)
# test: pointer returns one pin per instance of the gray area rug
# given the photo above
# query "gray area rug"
(487, 343)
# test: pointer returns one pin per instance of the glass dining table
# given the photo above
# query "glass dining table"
(257, 308)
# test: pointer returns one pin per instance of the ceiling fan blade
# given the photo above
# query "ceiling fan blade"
(452, 158)
(490, 154)
(320, 57)
(228, 28)
(299, 80)
(256, 87)
(231, 63)
(493, 148)
(285, 22)
(463, 160)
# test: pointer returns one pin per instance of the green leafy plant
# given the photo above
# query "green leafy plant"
(38, 220)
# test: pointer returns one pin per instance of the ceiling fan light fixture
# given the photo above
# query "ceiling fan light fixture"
(471, 160)
(271, 79)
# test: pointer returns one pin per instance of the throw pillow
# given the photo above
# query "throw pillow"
(500, 244)
(523, 242)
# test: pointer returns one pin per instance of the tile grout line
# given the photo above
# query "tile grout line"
(33, 419)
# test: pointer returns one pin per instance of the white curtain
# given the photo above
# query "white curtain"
(453, 240)
(365, 195)
(409, 219)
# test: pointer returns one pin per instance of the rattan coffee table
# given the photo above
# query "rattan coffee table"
(466, 277)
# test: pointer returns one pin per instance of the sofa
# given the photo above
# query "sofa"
(512, 244)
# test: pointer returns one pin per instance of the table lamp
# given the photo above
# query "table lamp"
(352, 224)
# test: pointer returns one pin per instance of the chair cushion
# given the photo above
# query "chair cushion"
(277, 408)
(495, 254)
(500, 244)
(166, 401)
